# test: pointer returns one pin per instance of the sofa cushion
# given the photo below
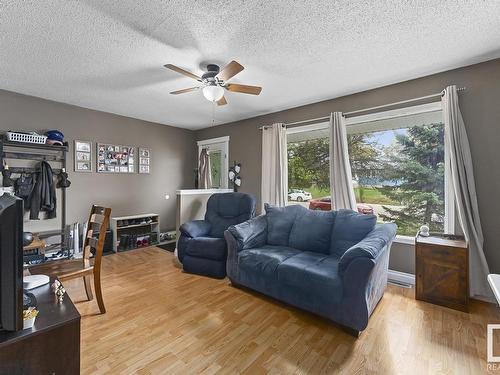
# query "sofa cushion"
(207, 248)
(265, 259)
(349, 228)
(314, 273)
(279, 223)
(226, 209)
(312, 231)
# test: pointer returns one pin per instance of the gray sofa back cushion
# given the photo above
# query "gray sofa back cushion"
(350, 227)
(280, 222)
(312, 231)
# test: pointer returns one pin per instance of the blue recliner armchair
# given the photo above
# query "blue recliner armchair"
(201, 247)
(332, 263)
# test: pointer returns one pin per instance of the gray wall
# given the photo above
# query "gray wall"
(172, 157)
(480, 105)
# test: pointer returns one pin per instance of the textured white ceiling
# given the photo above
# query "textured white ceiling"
(108, 55)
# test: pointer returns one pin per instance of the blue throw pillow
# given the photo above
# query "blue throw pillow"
(312, 231)
(279, 223)
(349, 228)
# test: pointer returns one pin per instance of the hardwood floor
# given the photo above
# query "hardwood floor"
(160, 320)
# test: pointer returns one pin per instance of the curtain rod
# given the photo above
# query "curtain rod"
(348, 114)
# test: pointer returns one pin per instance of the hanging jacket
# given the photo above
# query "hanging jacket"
(43, 196)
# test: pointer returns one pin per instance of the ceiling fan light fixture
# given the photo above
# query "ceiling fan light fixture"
(213, 93)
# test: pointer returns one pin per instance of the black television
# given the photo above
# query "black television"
(11, 263)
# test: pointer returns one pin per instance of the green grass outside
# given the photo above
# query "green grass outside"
(369, 195)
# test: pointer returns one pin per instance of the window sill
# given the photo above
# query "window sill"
(407, 240)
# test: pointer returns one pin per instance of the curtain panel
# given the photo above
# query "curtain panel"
(464, 189)
(341, 187)
(204, 175)
(274, 186)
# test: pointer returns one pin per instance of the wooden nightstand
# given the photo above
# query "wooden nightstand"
(442, 271)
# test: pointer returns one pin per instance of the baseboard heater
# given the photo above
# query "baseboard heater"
(403, 279)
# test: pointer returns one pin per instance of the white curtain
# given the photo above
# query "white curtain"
(341, 188)
(204, 175)
(462, 180)
(274, 188)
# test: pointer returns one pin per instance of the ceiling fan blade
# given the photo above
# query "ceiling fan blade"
(222, 101)
(185, 90)
(182, 71)
(230, 70)
(245, 89)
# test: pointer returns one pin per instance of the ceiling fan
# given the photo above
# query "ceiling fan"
(214, 81)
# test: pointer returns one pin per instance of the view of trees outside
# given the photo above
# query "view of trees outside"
(400, 173)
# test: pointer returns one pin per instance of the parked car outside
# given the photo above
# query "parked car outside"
(325, 204)
(299, 195)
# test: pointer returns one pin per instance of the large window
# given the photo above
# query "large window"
(398, 162)
(217, 149)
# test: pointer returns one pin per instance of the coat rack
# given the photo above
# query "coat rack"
(37, 152)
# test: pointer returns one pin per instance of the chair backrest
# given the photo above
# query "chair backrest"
(98, 222)
(226, 209)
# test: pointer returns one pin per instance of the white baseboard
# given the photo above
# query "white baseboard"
(401, 277)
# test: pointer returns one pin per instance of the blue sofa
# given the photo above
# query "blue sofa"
(332, 263)
(201, 247)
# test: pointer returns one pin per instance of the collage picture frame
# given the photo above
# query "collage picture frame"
(83, 156)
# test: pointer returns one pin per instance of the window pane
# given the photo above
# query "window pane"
(215, 168)
(400, 172)
(308, 169)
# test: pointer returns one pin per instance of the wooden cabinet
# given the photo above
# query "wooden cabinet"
(442, 271)
(52, 346)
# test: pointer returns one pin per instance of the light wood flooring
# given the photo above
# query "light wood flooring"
(163, 321)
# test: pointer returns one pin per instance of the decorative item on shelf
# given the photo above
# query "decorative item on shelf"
(144, 160)
(424, 231)
(83, 156)
(29, 317)
(60, 292)
(55, 138)
(234, 175)
(115, 158)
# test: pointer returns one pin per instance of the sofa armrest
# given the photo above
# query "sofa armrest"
(251, 233)
(371, 246)
(195, 228)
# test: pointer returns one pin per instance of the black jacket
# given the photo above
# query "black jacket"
(43, 196)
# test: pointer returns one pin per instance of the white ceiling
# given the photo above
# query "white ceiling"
(108, 55)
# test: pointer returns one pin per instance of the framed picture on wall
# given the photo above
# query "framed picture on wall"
(115, 158)
(144, 160)
(83, 156)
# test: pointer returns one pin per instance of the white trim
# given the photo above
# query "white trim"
(394, 113)
(210, 141)
(407, 240)
(306, 128)
(202, 191)
(401, 277)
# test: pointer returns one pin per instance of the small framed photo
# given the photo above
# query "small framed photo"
(83, 156)
(144, 160)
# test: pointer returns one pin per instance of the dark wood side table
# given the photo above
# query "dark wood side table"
(442, 271)
(52, 346)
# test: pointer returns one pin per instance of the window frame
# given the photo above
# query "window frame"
(449, 198)
(218, 144)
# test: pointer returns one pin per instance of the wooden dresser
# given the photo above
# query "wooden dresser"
(442, 271)
(52, 346)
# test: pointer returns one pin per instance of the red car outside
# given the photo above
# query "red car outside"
(325, 204)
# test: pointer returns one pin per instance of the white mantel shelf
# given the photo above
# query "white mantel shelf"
(202, 191)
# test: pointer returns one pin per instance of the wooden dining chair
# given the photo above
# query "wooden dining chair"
(86, 267)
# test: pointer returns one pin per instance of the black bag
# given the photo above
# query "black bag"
(24, 186)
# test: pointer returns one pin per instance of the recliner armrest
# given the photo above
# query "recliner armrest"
(195, 228)
(251, 233)
(371, 246)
